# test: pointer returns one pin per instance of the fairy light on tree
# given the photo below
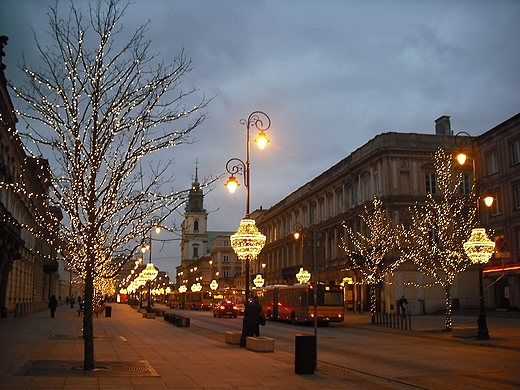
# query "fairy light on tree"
(439, 227)
(104, 110)
(368, 257)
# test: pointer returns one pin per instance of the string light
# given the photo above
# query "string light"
(104, 111)
(369, 255)
(439, 227)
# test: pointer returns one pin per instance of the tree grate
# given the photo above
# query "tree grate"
(67, 368)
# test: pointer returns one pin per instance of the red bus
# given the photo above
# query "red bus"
(296, 303)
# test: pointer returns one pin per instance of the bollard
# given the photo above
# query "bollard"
(108, 311)
(183, 322)
(305, 354)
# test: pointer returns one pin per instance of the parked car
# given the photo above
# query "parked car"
(225, 308)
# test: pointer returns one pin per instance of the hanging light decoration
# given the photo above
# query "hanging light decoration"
(213, 285)
(303, 276)
(247, 242)
(258, 281)
(479, 247)
(149, 273)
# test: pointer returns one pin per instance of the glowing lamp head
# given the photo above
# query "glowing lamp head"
(158, 229)
(488, 201)
(296, 235)
(262, 140)
(461, 158)
(232, 184)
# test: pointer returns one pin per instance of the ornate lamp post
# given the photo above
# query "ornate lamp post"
(299, 232)
(150, 272)
(479, 248)
(247, 242)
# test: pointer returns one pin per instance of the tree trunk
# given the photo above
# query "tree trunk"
(373, 301)
(448, 302)
(88, 325)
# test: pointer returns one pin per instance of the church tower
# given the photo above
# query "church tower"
(194, 243)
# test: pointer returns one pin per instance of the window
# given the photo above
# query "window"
(492, 163)
(516, 190)
(515, 152)
(366, 191)
(226, 258)
(495, 207)
(330, 206)
(431, 183)
(238, 271)
(196, 226)
(322, 211)
(465, 185)
(339, 200)
(226, 273)
(195, 251)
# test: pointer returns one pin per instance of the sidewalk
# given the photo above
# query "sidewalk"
(151, 353)
(174, 357)
(504, 331)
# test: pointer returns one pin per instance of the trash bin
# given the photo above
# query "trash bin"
(305, 354)
(108, 311)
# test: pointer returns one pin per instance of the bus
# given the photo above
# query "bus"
(233, 294)
(191, 300)
(296, 303)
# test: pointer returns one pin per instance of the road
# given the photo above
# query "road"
(398, 360)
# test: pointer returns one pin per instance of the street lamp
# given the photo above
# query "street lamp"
(479, 248)
(150, 272)
(247, 242)
(299, 232)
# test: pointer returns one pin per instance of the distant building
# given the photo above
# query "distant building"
(205, 255)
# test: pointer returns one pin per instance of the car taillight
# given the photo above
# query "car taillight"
(222, 307)
(235, 307)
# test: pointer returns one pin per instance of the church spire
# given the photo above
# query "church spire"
(195, 202)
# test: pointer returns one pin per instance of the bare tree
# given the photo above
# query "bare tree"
(439, 227)
(369, 255)
(104, 107)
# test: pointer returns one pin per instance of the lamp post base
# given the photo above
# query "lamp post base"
(482, 332)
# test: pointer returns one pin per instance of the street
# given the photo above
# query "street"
(400, 358)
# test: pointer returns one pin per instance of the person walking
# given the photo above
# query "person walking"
(403, 304)
(72, 301)
(53, 304)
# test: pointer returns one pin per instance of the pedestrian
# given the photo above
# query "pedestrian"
(252, 318)
(67, 300)
(403, 304)
(53, 304)
(72, 301)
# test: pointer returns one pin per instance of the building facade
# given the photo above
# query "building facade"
(499, 171)
(399, 169)
(28, 265)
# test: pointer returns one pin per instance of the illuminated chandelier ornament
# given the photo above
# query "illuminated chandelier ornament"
(183, 289)
(303, 276)
(149, 273)
(247, 242)
(196, 287)
(213, 285)
(479, 247)
(258, 281)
